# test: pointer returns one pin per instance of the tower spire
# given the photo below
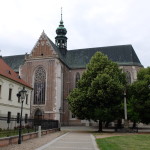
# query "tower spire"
(61, 13)
(61, 39)
(61, 21)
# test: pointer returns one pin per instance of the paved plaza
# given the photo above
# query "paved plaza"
(72, 141)
(69, 138)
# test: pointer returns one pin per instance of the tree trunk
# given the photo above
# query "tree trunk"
(100, 126)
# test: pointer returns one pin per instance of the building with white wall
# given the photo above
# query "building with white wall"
(10, 85)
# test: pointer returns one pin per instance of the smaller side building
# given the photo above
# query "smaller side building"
(10, 105)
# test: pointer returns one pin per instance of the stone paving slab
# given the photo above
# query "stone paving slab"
(72, 141)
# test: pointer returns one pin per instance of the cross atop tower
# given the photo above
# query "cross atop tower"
(61, 13)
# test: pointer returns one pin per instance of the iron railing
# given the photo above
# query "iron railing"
(10, 126)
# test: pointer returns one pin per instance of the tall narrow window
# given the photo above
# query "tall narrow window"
(18, 117)
(77, 78)
(8, 117)
(39, 86)
(10, 94)
(27, 98)
(19, 99)
(128, 77)
(26, 118)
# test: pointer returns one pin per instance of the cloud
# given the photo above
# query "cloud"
(89, 24)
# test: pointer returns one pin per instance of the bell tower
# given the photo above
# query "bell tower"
(61, 39)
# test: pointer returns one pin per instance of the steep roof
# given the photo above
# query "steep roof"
(14, 61)
(9, 73)
(75, 59)
(61, 56)
(121, 54)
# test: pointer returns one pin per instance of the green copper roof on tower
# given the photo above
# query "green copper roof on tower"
(61, 39)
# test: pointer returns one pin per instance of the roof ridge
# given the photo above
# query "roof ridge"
(14, 55)
(121, 54)
(100, 47)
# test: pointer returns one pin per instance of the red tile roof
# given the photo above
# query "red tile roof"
(7, 72)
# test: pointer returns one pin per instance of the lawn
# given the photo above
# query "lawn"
(7, 133)
(130, 142)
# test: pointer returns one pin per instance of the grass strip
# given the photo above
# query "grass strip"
(130, 142)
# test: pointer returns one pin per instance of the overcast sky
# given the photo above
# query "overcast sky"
(89, 23)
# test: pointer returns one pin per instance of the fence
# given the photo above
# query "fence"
(10, 126)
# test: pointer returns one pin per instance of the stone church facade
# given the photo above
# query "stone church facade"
(53, 71)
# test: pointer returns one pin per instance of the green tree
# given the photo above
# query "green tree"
(139, 103)
(98, 95)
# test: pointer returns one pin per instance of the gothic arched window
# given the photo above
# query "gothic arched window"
(128, 77)
(39, 86)
(77, 78)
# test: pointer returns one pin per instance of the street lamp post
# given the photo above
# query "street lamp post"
(125, 111)
(22, 95)
(125, 106)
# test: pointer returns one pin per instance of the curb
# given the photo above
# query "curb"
(53, 141)
(94, 142)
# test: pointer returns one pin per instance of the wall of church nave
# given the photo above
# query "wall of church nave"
(70, 83)
(70, 79)
(72, 76)
(66, 83)
(131, 72)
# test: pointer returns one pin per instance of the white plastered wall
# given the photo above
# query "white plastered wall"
(59, 89)
(12, 105)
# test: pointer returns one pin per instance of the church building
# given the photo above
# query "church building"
(53, 71)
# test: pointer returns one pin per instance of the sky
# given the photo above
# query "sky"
(89, 23)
